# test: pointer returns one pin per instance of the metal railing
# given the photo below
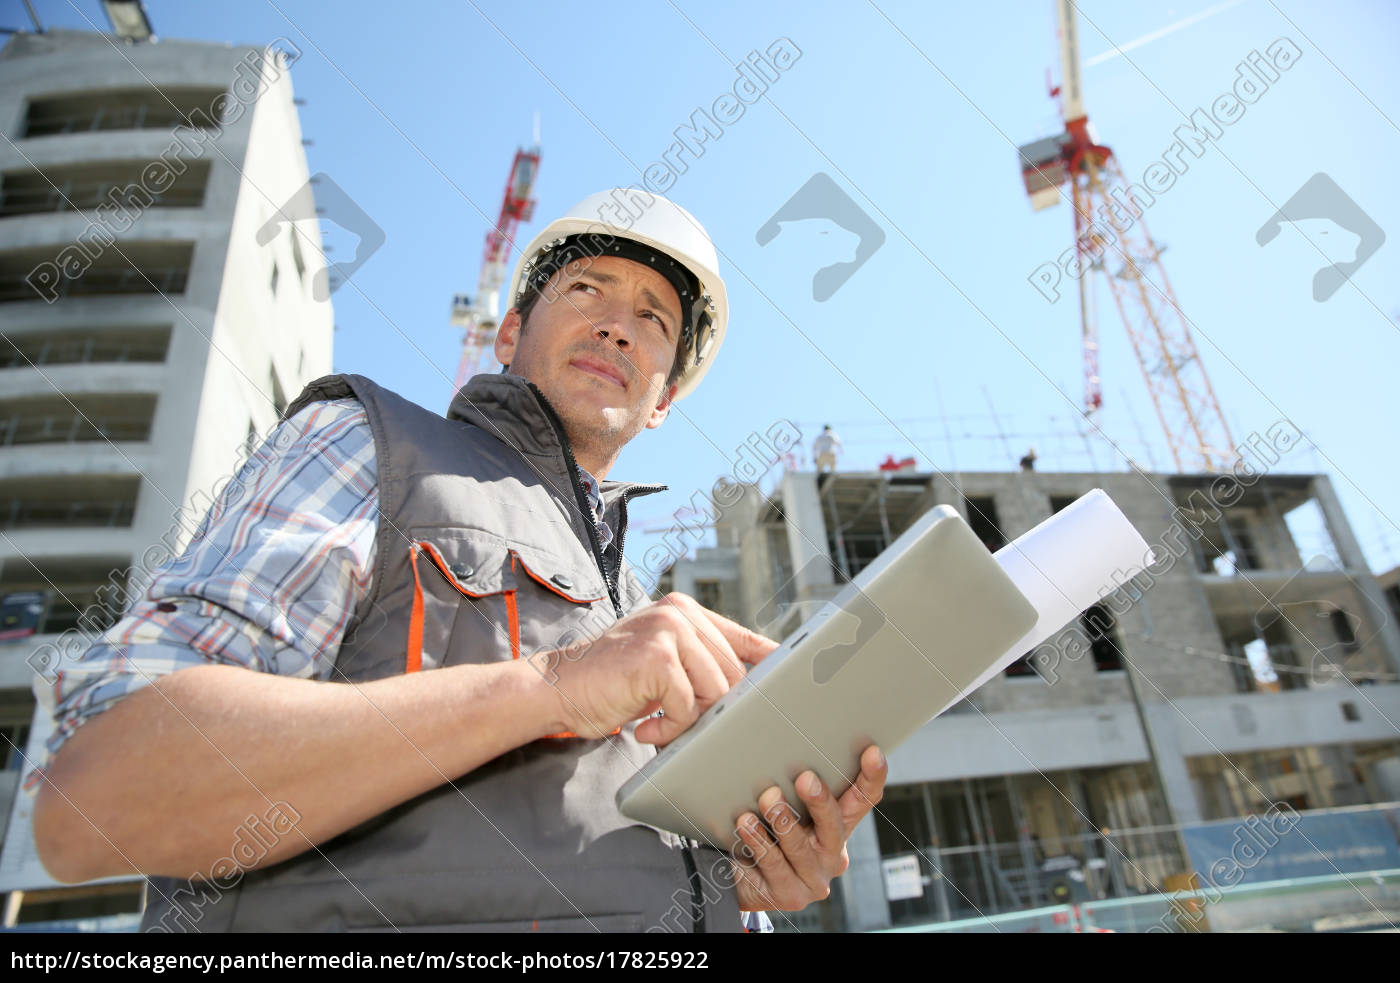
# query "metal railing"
(148, 280)
(141, 116)
(1125, 880)
(22, 353)
(79, 195)
(1374, 896)
(72, 428)
(22, 514)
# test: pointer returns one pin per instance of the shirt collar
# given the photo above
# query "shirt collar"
(595, 500)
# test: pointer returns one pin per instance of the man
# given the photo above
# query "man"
(825, 448)
(466, 576)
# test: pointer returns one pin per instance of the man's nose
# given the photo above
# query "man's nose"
(615, 324)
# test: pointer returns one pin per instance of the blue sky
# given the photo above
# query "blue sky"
(915, 110)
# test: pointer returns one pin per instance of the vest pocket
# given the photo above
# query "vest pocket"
(464, 604)
(563, 608)
(479, 599)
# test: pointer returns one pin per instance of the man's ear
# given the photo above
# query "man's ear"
(663, 407)
(508, 336)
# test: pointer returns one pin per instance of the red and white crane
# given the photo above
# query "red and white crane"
(479, 316)
(1111, 243)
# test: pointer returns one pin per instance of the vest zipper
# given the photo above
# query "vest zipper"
(622, 512)
(697, 897)
(581, 498)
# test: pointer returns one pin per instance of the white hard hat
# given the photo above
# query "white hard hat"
(594, 228)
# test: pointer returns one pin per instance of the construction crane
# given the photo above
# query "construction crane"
(479, 316)
(1111, 243)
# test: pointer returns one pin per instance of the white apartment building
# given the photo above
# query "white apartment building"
(154, 322)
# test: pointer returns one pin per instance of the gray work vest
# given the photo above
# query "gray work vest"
(486, 505)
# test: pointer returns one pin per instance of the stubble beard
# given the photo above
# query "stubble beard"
(600, 437)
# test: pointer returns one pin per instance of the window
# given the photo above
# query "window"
(279, 398)
(707, 592)
(1023, 668)
(1241, 540)
(13, 738)
(1100, 628)
(1346, 631)
(982, 517)
(296, 254)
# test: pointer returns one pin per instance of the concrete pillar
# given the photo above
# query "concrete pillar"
(1354, 563)
(1163, 721)
(863, 884)
(806, 532)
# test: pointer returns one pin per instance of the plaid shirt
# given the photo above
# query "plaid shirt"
(285, 558)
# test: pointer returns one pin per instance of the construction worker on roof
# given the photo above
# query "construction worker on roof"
(825, 448)
(403, 668)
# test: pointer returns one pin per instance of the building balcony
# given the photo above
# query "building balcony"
(145, 108)
(126, 185)
(127, 267)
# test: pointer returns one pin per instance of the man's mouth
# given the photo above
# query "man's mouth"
(601, 368)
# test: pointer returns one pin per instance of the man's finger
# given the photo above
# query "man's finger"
(868, 789)
(732, 645)
(780, 881)
(718, 646)
(828, 823)
(749, 646)
(800, 847)
(681, 702)
(708, 677)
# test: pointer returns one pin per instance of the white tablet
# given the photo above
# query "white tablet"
(886, 654)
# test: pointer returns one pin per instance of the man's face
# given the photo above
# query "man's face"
(599, 344)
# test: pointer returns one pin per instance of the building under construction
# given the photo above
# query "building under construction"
(1253, 667)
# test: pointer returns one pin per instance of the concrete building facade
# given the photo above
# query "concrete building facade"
(157, 317)
(1253, 662)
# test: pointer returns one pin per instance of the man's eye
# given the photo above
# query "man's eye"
(585, 286)
(655, 317)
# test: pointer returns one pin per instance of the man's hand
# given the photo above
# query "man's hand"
(797, 869)
(674, 655)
